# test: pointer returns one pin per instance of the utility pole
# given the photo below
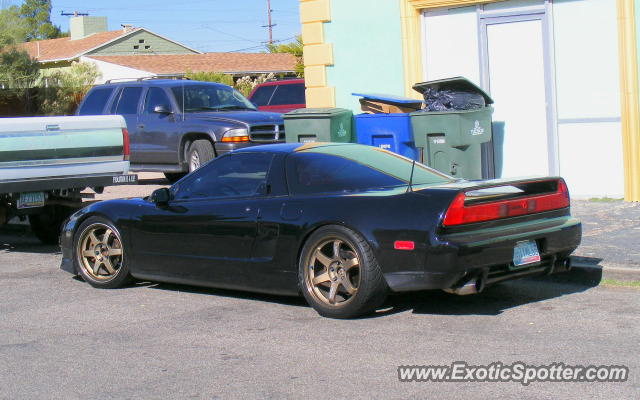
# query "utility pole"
(269, 24)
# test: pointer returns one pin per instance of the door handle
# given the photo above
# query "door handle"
(141, 126)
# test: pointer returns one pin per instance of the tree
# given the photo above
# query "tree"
(37, 16)
(17, 69)
(13, 29)
(210, 77)
(294, 48)
(67, 87)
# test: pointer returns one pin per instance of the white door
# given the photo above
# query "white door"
(515, 69)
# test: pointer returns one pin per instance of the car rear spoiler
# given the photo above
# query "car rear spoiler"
(479, 201)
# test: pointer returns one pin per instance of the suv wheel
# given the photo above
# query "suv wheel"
(200, 152)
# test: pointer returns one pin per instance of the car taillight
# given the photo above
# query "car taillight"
(126, 151)
(458, 213)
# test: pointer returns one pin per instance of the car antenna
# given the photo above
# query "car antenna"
(413, 166)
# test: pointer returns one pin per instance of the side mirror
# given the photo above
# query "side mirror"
(162, 109)
(161, 196)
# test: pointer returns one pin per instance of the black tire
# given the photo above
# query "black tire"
(46, 226)
(371, 289)
(103, 246)
(174, 176)
(202, 150)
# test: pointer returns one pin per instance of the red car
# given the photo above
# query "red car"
(279, 96)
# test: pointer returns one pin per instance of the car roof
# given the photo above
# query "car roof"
(282, 82)
(288, 147)
(160, 82)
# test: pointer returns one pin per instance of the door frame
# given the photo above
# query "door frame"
(544, 16)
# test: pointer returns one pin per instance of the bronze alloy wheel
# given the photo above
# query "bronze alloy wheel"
(99, 252)
(332, 275)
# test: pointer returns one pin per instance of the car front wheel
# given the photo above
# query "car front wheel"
(100, 254)
(339, 275)
(200, 152)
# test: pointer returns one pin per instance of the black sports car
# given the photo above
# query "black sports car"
(340, 223)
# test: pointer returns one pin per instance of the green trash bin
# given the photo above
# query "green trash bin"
(307, 125)
(451, 140)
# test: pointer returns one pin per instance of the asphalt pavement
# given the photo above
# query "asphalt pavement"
(62, 339)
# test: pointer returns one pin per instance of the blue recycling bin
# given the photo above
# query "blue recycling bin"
(389, 131)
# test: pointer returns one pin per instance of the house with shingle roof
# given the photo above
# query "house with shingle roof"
(132, 53)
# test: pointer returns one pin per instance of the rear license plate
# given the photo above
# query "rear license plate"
(525, 253)
(31, 200)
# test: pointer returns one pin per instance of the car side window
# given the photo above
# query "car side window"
(262, 95)
(155, 97)
(129, 100)
(95, 102)
(288, 94)
(313, 173)
(235, 175)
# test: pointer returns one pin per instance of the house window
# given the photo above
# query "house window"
(136, 47)
(141, 41)
(147, 47)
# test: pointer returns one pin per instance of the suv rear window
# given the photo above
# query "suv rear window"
(262, 95)
(129, 99)
(95, 102)
(288, 94)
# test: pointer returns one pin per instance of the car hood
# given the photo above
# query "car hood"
(248, 117)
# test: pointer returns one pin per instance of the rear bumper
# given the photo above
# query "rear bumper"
(66, 182)
(489, 253)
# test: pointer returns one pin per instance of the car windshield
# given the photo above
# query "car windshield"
(204, 97)
(351, 168)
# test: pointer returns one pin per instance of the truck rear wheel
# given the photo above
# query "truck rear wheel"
(200, 152)
(47, 224)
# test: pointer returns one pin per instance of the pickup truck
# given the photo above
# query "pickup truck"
(177, 125)
(46, 162)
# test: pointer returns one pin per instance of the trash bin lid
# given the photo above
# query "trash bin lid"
(388, 98)
(316, 112)
(456, 83)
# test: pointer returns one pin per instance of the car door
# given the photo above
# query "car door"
(205, 234)
(127, 104)
(157, 133)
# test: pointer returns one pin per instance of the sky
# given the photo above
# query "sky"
(205, 25)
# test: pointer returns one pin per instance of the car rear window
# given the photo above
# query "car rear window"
(262, 95)
(288, 94)
(129, 99)
(351, 168)
(95, 101)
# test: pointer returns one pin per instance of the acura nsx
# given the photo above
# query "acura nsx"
(341, 224)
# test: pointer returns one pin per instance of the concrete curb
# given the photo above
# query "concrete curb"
(615, 273)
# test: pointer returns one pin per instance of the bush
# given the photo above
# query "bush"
(67, 87)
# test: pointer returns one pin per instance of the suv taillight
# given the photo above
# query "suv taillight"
(126, 151)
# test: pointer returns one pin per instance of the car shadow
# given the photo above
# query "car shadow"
(236, 294)
(492, 301)
(19, 239)
(495, 299)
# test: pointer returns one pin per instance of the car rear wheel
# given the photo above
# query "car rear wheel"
(99, 254)
(339, 275)
(47, 224)
(174, 176)
(200, 152)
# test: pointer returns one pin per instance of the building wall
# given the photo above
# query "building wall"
(114, 71)
(371, 60)
(141, 39)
